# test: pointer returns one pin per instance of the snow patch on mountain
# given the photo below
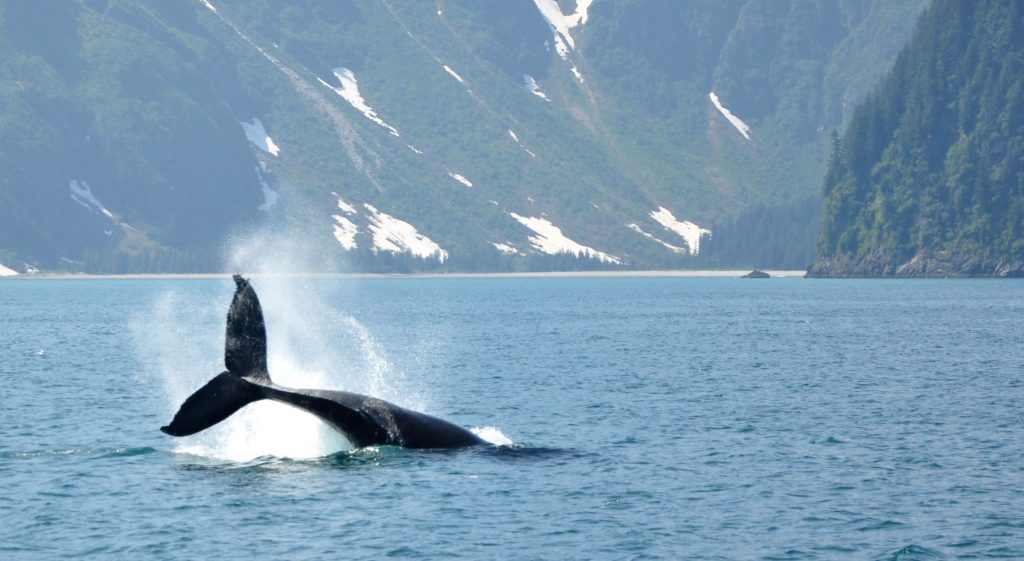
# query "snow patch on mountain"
(345, 207)
(505, 248)
(349, 90)
(209, 5)
(454, 74)
(736, 121)
(561, 48)
(7, 272)
(269, 195)
(636, 228)
(345, 232)
(534, 87)
(397, 236)
(683, 228)
(576, 72)
(515, 138)
(81, 193)
(460, 178)
(560, 23)
(259, 138)
(552, 241)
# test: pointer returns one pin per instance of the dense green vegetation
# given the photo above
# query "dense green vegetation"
(143, 100)
(929, 177)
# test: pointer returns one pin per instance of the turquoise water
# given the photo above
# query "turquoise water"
(649, 419)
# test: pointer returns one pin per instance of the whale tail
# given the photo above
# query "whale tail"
(245, 355)
(212, 403)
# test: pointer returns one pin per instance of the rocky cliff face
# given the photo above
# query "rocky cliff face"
(940, 265)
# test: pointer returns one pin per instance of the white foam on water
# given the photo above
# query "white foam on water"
(492, 435)
(266, 429)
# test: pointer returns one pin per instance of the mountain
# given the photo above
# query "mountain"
(405, 135)
(929, 178)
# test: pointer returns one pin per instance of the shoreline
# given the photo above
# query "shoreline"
(695, 273)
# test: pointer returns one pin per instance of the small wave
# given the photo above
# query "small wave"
(519, 452)
(127, 452)
(77, 452)
(881, 525)
(913, 553)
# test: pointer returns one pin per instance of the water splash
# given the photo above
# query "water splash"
(310, 345)
(266, 429)
(492, 435)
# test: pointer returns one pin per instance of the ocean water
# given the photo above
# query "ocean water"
(640, 419)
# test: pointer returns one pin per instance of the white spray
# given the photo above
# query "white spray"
(310, 344)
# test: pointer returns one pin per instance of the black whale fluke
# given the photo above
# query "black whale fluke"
(211, 404)
(245, 341)
(365, 421)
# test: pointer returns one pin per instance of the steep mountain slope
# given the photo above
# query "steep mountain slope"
(405, 135)
(929, 178)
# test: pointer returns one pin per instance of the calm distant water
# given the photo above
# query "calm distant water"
(650, 419)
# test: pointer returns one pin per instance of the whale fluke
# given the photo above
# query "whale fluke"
(245, 341)
(365, 421)
(212, 403)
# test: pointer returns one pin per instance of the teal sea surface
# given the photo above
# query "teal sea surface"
(632, 418)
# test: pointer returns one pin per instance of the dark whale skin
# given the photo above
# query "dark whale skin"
(364, 420)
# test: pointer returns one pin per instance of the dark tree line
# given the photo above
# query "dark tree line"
(932, 164)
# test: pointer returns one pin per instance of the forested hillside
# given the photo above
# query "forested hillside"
(405, 135)
(929, 178)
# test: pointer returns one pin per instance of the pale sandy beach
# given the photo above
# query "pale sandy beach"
(696, 273)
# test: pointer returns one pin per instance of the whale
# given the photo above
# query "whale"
(363, 420)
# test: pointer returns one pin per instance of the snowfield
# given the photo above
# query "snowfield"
(259, 138)
(736, 121)
(349, 90)
(460, 178)
(636, 228)
(683, 228)
(398, 236)
(534, 87)
(345, 232)
(552, 241)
